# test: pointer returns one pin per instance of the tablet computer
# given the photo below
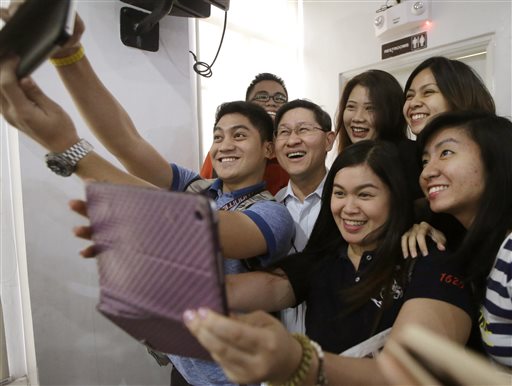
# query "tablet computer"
(158, 256)
(35, 30)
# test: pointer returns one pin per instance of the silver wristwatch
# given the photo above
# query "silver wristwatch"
(64, 164)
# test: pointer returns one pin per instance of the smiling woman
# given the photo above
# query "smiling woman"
(439, 84)
(357, 207)
(453, 174)
(358, 116)
(468, 174)
(370, 107)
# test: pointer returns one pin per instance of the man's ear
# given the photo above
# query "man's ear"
(269, 150)
(329, 140)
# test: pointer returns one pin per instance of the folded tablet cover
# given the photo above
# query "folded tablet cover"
(158, 256)
(35, 30)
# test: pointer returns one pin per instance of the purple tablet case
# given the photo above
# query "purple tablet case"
(158, 256)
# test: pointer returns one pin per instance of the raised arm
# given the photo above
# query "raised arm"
(256, 347)
(27, 108)
(268, 291)
(107, 119)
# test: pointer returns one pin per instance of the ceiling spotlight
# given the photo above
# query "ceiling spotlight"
(418, 8)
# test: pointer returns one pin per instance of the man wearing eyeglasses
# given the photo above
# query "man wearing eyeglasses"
(268, 91)
(302, 138)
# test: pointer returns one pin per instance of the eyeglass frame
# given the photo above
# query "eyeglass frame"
(268, 97)
(296, 129)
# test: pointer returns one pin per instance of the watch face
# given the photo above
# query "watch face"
(59, 165)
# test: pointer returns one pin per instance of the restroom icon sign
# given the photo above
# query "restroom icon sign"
(404, 45)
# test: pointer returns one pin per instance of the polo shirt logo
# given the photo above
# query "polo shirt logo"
(397, 292)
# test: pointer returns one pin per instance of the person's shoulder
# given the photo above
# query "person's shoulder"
(268, 202)
(436, 264)
(439, 276)
(507, 244)
(281, 194)
(271, 210)
(503, 260)
(182, 177)
(434, 253)
(272, 216)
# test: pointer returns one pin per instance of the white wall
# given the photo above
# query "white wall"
(256, 41)
(339, 37)
(74, 344)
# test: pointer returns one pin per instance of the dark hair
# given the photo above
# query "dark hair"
(387, 98)
(460, 85)
(260, 78)
(383, 159)
(321, 117)
(493, 136)
(257, 115)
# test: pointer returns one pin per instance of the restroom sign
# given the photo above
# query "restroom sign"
(404, 45)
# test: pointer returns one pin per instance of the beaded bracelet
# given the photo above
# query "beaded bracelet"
(321, 379)
(71, 59)
(300, 374)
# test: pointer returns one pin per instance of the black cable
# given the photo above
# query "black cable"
(205, 69)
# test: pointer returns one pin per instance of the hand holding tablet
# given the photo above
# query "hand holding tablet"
(158, 256)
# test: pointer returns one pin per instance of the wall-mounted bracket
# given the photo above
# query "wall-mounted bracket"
(141, 29)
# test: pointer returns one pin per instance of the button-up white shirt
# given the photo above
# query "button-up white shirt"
(304, 215)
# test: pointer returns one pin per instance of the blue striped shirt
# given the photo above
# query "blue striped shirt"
(496, 312)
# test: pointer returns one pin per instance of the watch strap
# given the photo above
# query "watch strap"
(78, 151)
(70, 157)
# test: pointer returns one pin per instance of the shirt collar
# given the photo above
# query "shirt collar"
(284, 193)
(366, 258)
(216, 188)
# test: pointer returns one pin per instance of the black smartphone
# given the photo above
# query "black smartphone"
(36, 30)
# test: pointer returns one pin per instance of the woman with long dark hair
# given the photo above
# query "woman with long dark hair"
(467, 172)
(370, 108)
(438, 85)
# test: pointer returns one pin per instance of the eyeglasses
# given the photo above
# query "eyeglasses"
(302, 130)
(265, 97)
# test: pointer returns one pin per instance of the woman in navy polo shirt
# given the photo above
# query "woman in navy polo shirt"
(467, 173)
(354, 280)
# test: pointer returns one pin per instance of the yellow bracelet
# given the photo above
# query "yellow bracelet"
(67, 60)
(299, 376)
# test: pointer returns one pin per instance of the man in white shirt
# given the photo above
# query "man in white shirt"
(302, 138)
